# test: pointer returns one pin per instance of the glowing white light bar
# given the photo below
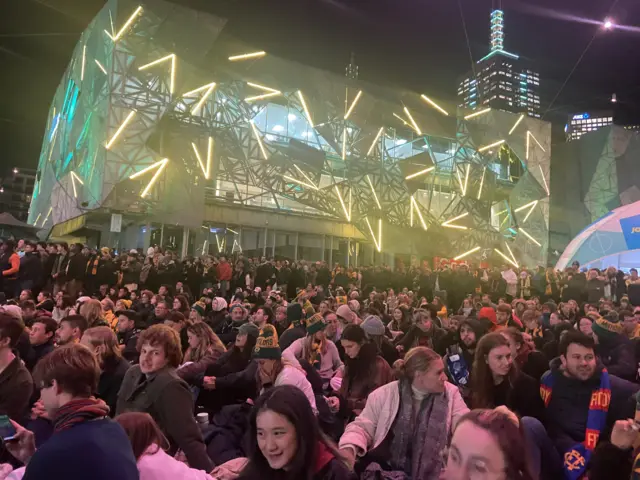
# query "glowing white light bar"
(434, 105)
(353, 104)
(374, 192)
(344, 143)
(530, 205)
(172, 57)
(37, 218)
(261, 97)
(413, 122)
(465, 254)
(378, 241)
(375, 140)
(536, 140)
(257, 134)
(149, 168)
(262, 87)
(75, 178)
(47, 217)
(84, 59)
(421, 172)
(506, 258)
(544, 180)
(347, 213)
(529, 237)
(475, 114)
(208, 88)
(195, 149)
(247, 56)
(487, 147)
(126, 25)
(515, 125)
(466, 180)
(448, 222)
(484, 170)
(306, 176)
(511, 253)
(401, 119)
(160, 167)
(101, 67)
(304, 107)
(299, 182)
(129, 117)
(232, 231)
(414, 204)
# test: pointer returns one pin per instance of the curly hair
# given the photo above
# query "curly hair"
(165, 337)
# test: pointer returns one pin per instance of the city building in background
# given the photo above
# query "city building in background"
(167, 130)
(501, 80)
(16, 189)
(585, 122)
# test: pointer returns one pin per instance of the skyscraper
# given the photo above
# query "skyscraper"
(500, 79)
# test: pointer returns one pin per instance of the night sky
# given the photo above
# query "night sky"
(414, 44)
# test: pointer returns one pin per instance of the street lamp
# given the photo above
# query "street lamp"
(15, 170)
(608, 24)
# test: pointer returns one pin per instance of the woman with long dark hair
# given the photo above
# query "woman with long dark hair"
(286, 441)
(205, 348)
(181, 304)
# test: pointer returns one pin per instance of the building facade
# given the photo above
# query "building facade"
(196, 141)
(585, 122)
(16, 189)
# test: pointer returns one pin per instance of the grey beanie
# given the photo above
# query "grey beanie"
(372, 325)
(249, 329)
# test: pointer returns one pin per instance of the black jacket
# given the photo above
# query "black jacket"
(39, 352)
(77, 267)
(110, 382)
(30, 268)
(130, 340)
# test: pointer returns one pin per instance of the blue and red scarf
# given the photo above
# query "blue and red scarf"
(577, 457)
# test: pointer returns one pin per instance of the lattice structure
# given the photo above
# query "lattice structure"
(158, 113)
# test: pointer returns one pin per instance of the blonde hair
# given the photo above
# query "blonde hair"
(418, 359)
(209, 341)
(92, 311)
(104, 337)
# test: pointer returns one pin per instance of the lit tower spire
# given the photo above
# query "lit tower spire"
(497, 26)
(352, 69)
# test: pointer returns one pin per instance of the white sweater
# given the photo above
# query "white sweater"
(291, 375)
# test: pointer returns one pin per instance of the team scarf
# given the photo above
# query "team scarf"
(577, 457)
(79, 411)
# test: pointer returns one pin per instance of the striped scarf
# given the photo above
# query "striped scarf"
(79, 411)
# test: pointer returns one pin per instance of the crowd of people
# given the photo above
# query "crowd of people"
(143, 365)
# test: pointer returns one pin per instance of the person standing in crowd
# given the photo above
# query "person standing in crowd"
(404, 422)
(16, 385)
(75, 271)
(84, 438)
(41, 337)
(31, 271)
(58, 273)
(70, 330)
(9, 268)
(128, 335)
(224, 274)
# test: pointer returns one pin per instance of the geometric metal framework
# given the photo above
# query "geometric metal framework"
(159, 113)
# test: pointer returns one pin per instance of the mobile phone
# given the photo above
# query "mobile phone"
(7, 430)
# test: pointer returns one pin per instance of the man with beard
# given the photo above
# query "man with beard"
(459, 358)
(70, 329)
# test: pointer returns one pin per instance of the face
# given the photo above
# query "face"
(162, 291)
(133, 296)
(194, 316)
(259, 317)
(467, 336)
(277, 439)
(554, 319)
(176, 304)
(630, 323)
(397, 315)
(528, 340)
(38, 334)
(486, 300)
(194, 341)
(24, 295)
(161, 310)
(500, 360)
(241, 341)
(281, 315)
(474, 453)
(66, 333)
(237, 314)
(351, 349)
(152, 358)
(124, 324)
(332, 324)
(424, 324)
(433, 380)
(323, 308)
(580, 362)
(119, 305)
(585, 326)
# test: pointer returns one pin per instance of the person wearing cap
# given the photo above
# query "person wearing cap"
(128, 335)
(376, 334)
(198, 311)
(317, 349)
(612, 347)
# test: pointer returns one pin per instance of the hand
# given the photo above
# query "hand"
(349, 457)
(38, 410)
(209, 383)
(624, 434)
(334, 404)
(400, 348)
(23, 446)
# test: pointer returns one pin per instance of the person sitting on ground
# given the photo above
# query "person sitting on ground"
(70, 330)
(424, 332)
(153, 386)
(533, 326)
(108, 312)
(228, 330)
(527, 358)
(459, 358)
(91, 309)
(104, 344)
(375, 332)
(16, 385)
(401, 321)
(41, 337)
(84, 438)
(64, 304)
(404, 422)
(45, 302)
(205, 348)
(614, 349)
(179, 323)
(128, 335)
(198, 312)
(261, 316)
(296, 330)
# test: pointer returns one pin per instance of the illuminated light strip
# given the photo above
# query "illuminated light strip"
(530, 204)
(448, 222)
(434, 105)
(257, 134)
(220, 246)
(232, 231)
(47, 217)
(501, 212)
(207, 174)
(475, 114)
(460, 181)
(74, 177)
(375, 196)
(172, 57)
(209, 89)
(195, 149)
(262, 87)
(515, 125)
(544, 180)
(204, 246)
(527, 152)
(261, 97)
(344, 143)
(84, 59)
(126, 25)
(304, 107)
(484, 170)
(347, 213)
(411, 211)
(400, 118)
(505, 257)
(511, 253)
(378, 241)
(299, 182)
(161, 166)
(375, 140)
(247, 56)
(101, 67)
(530, 237)
(414, 204)
(148, 169)
(110, 143)
(37, 218)
(536, 140)
(487, 147)
(413, 122)
(465, 254)
(305, 176)
(353, 104)
(466, 180)
(421, 172)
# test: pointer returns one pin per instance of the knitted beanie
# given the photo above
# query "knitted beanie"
(605, 328)
(199, 307)
(267, 346)
(294, 314)
(372, 325)
(249, 329)
(345, 312)
(315, 324)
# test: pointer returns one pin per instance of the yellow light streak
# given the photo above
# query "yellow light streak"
(411, 212)
(304, 107)
(207, 174)
(466, 180)
(505, 257)
(527, 152)
(421, 172)
(353, 105)
(375, 140)
(413, 122)
(299, 182)
(261, 97)
(475, 114)
(126, 25)
(172, 58)
(447, 223)
(375, 196)
(120, 129)
(148, 169)
(75, 177)
(195, 149)
(530, 205)
(161, 166)
(494, 144)
(378, 241)
(47, 217)
(414, 204)
(84, 59)
(344, 143)
(232, 231)
(257, 134)
(101, 67)
(37, 218)
(460, 181)
(530, 237)
(247, 56)
(484, 170)
(536, 140)
(434, 105)
(401, 119)
(515, 125)
(208, 88)
(544, 180)
(305, 176)
(262, 87)
(511, 253)
(347, 213)
(465, 254)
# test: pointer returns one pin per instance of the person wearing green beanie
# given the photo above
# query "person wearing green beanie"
(296, 328)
